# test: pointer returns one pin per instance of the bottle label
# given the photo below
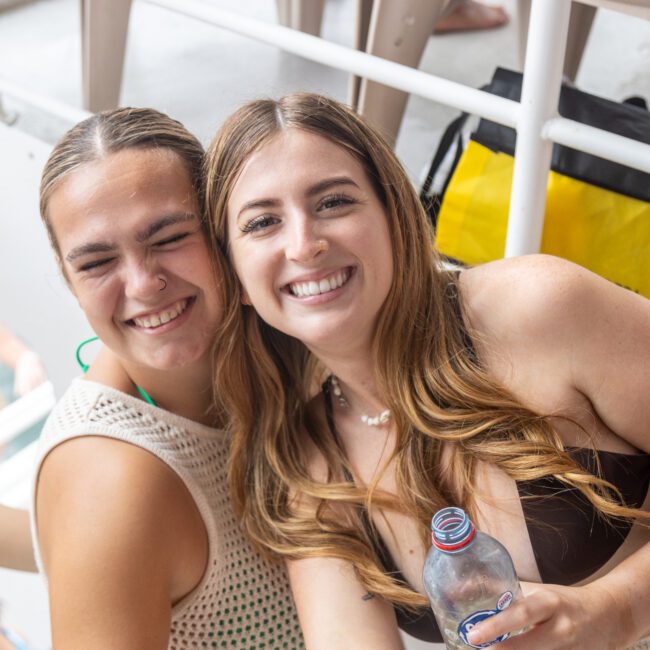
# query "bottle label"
(466, 625)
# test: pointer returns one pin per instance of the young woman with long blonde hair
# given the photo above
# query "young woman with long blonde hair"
(516, 390)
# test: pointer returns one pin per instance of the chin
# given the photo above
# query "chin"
(177, 359)
(323, 340)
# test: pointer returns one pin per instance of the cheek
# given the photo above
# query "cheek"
(96, 299)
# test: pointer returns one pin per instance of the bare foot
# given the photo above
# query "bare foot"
(469, 15)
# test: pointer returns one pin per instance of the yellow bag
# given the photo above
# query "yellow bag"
(598, 227)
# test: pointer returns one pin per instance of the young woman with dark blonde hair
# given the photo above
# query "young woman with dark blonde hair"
(516, 390)
(132, 522)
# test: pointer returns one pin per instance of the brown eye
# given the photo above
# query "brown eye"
(335, 201)
(257, 224)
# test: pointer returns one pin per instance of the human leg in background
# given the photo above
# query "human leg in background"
(397, 32)
(469, 15)
(582, 18)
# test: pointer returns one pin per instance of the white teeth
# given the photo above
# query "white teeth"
(156, 320)
(304, 289)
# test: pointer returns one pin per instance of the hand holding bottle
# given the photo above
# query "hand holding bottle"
(469, 577)
(558, 618)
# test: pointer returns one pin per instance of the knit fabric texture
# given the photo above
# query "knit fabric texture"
(242, 601)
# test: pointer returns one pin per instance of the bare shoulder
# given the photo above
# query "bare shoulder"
(560, 337)
(520, 290)
(111, 513)
(96, 466)
(541, 301)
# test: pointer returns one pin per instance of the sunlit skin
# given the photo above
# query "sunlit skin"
(303, 210)
(122, 223)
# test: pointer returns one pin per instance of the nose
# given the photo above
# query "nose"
(305, 242)
(142, 280)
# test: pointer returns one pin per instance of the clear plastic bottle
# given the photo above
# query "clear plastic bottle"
(468, 576)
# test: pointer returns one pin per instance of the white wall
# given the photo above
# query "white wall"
(34, 301)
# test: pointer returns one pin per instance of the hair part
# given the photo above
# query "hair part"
(434, 385)
(112, 131)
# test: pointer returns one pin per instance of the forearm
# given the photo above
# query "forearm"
(334, 612)
(629, 586)
(16, 551)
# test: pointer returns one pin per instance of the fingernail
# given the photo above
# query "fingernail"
(474, 636)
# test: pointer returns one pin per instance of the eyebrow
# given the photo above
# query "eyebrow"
(151, 230)
(321, 186)
(87, 249)
(159, 224)
(328, 183)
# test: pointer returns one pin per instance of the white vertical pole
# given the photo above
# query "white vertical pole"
(547, 36)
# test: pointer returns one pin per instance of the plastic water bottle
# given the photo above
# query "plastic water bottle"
(468, 576)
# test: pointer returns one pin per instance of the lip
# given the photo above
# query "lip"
(316, 277)
(166, 327)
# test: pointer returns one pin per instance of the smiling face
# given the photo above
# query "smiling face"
(310, 242)
(122, 223)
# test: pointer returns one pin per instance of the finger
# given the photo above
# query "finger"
(531, 610)
(535, 638)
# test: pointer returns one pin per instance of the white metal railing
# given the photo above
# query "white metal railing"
(17, 418)
(410, 80)
(54, 107)
(536, 119)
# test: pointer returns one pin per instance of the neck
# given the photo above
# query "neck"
(184, 391)
(356, 376)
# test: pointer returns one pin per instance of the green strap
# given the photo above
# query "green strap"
(84, 367)
(145, 397)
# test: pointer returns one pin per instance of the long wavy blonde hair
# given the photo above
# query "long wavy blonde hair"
(429, 378)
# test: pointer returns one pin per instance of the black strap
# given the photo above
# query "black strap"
(451, 132)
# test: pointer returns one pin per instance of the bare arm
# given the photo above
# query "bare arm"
(334, 609)
(121, 541)
(560, 332)
(15, 540)
(607, 614)
(555, 335)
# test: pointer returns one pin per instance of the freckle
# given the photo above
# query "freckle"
(411, 551)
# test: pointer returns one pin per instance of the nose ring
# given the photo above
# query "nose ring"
(163, 282)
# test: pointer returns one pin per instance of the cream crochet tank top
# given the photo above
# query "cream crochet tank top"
(242, 601)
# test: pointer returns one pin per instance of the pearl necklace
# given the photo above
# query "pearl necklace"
(377, 420)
